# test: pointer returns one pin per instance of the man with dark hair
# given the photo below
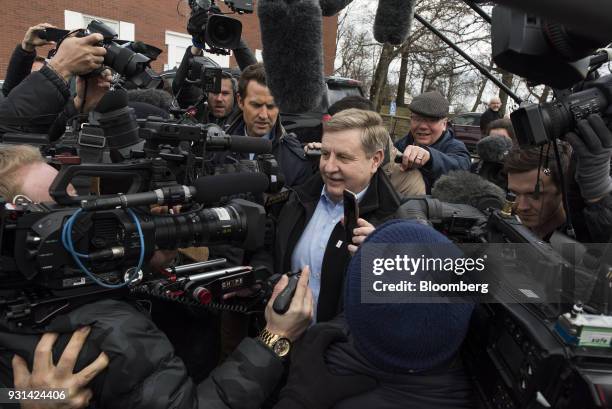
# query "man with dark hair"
(351, 101)
(259, 118)
(430, 147)
(534, 177)
(221, 105)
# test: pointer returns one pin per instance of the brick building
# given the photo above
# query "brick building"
(157, 22)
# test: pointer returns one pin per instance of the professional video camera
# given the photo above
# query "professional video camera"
(130, 60)
(54, 256)
(208, 26)
(548, 53)
(538, 353)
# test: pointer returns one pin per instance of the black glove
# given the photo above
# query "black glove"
(310, 384)
(593, 151)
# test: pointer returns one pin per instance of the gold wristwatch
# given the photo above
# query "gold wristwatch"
(279, 345)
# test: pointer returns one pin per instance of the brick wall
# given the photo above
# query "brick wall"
(151, 18)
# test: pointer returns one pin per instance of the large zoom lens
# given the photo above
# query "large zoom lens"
(239, 222)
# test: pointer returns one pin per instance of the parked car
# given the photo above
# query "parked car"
(308, 125)
(466, 127)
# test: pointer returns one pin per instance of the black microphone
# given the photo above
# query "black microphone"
(236, 143)
(463, 187)
(292, 37)
(333, 7)
(206, 189)
(393, 21)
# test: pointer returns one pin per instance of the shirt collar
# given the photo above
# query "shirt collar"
(359, 195)
(269, 135)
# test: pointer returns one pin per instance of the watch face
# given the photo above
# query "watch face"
(282, 347)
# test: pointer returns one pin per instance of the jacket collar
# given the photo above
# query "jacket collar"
(379, 196)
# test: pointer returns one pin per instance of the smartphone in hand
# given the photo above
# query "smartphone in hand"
(351, 214)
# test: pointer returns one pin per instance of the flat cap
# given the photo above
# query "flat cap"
(432, 104)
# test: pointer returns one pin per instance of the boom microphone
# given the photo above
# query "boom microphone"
(333, 7)
(292, 37)
(393, 21)
(493, 148)
(463, 187)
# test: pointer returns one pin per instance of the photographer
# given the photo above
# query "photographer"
(592, 144)
(144, 372)
(24, 58)
(188, 94)
(35, 104)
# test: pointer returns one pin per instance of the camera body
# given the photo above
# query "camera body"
(209, 27)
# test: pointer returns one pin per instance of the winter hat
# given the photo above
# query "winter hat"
(431, 104)
(405, 337)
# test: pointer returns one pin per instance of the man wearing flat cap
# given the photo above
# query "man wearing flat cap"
(430, 146)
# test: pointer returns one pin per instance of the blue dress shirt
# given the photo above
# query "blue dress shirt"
(311, 246)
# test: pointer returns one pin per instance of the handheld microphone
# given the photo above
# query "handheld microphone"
(292, 37)
(393, 21)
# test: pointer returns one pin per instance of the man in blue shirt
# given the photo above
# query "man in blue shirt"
(310, 230)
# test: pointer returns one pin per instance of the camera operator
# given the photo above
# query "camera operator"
(42, 98)
(188, 94)
(592, 144)
(534, 177)
(143, 370)
(24, 59)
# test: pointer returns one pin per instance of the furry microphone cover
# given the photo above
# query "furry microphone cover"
(463, 187)
(393, 21)
(292, 38)
(333, 7)
(493, 148)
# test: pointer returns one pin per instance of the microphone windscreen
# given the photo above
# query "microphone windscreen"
(112, 101)
(467, 188)
(210, 189)
(292, 38)
(250, 144)
(493, 148)
(393, 21)
(333, 7)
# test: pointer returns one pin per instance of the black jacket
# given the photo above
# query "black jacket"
(144, 372)
(35, 104)
(442, 388)
(447, 154)
(19, 67)
(487, 117)
(286, 148)
(378, 205)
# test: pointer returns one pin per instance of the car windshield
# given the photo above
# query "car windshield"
(466, 120)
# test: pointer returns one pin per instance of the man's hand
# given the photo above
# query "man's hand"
(162, 258)
(414, 157)
(47, 376)
(31, 39)
(78, 56)
(593, 151)
(97, 87)
(363, 230)
(296, 320)
(312, 145)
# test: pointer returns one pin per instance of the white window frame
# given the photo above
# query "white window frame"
(74, 20)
